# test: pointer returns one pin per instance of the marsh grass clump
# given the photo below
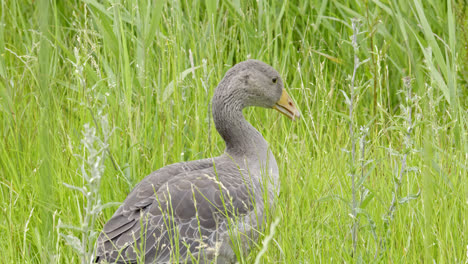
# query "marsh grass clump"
(61, 61)
(407, 127)
(402, 169)
(94, 152)
(357, 187)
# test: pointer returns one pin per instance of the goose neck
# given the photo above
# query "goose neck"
(241, 138)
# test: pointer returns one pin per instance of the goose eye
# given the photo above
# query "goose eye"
(274, 80)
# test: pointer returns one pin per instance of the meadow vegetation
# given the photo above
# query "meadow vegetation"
(94, 95)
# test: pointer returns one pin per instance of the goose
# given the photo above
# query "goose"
(197, 211)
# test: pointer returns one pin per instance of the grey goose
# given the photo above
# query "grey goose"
(196, 211)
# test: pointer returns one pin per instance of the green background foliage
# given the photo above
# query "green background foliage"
(151, 68)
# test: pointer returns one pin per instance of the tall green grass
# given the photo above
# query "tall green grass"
(152, 66)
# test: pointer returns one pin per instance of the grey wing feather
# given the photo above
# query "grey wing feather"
(181, 208)
(125, 219)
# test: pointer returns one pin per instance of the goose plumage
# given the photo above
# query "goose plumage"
(194, 212)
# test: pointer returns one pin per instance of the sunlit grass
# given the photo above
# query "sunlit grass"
(152, 66)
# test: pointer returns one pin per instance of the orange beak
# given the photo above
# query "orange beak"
(286, 106)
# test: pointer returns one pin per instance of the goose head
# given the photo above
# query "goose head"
(255, 83)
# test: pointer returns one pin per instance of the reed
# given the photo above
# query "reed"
(151, 68)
